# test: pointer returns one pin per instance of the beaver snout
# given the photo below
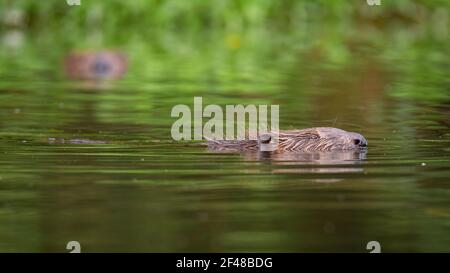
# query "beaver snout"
(359, 140)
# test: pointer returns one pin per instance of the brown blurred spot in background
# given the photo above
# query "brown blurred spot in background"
(96, 65)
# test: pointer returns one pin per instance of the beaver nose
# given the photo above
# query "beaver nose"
(361, 142)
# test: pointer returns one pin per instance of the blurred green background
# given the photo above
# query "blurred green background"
(227, 41)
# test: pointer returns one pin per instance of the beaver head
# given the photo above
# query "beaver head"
(96, 65)
(320, 139)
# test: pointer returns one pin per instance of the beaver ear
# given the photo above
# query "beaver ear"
(265, 138)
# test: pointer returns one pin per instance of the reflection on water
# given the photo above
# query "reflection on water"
(319, 162)
(97, 165)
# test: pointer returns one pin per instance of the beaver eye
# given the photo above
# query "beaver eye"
(356, 141)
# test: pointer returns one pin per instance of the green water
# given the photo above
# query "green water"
(140, 191)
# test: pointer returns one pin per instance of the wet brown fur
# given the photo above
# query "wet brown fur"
(305, 140)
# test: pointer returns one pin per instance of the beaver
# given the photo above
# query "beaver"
(305, 140)
(96, 65)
